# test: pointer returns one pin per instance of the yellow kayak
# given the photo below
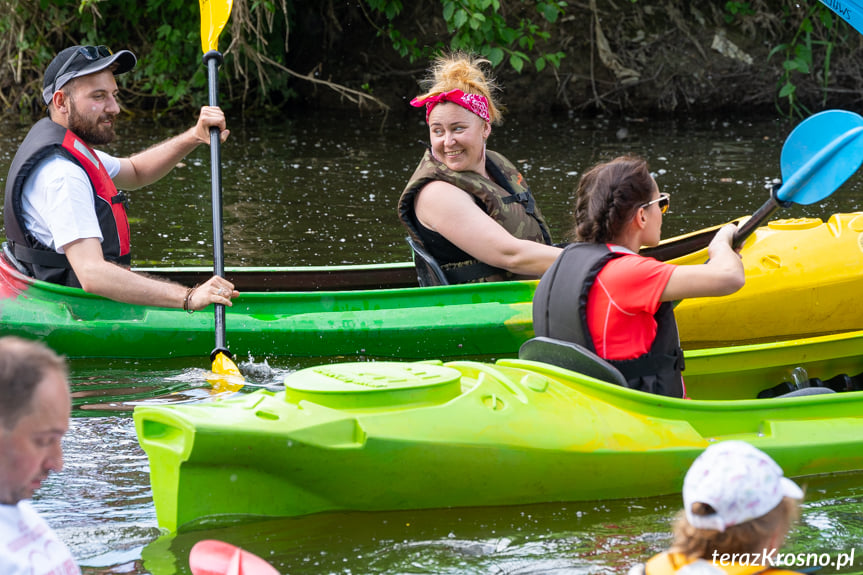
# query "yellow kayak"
(804, 277)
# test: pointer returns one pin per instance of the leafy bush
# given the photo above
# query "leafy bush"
(480, 26)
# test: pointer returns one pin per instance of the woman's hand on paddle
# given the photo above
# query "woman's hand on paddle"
(723, 273)
(214, 290)
(724, 237)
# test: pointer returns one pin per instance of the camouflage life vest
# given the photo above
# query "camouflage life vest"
(506, 198)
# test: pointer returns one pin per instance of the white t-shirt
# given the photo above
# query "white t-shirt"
(57, 201)
(28, 546)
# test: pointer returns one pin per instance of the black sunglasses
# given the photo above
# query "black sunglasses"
(664, 201)
(91, 53)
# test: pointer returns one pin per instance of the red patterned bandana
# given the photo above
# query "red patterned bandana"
(473, 102)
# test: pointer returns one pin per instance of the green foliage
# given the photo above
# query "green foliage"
(480, 26)
(520, 34)
(798, 53)
(406, 47)
(167, 42)
(164, 35)
(734, 9)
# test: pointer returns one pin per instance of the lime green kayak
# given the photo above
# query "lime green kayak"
(802, 278)
(412, 322)
(389, 435)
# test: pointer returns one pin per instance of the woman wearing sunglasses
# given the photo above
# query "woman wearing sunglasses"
(604, 296)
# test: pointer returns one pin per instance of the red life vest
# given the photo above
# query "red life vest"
(47, 137)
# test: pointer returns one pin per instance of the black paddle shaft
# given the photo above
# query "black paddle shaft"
(765, 211)
(212, 60)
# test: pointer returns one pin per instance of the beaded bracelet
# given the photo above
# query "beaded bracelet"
(187, 301)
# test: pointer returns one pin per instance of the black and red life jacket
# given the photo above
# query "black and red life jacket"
(47, 137)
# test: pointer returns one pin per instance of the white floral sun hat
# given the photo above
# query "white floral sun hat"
(737, 480)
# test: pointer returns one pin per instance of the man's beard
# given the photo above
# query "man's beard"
(94, 133)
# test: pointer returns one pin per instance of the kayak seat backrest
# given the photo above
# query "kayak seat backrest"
(571, 356)
(10, 257)
(429, 272)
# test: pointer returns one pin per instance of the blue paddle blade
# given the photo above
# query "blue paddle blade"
(849, 10)
(821, 153)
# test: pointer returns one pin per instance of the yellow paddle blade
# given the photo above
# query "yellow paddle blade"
(226, 375)
(214, 16)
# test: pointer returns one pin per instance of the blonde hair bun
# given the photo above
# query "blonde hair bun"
(462, 71)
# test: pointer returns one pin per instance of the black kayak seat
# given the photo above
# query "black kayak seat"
(814, 386)
(429, 272)
(571, 356)
(578, 358)
(807, 391)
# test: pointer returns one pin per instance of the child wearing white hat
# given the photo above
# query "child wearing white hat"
(737, 510)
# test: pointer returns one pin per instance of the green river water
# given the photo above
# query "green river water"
(320, 190)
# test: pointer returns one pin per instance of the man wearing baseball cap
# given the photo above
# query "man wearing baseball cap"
(65, 219)
(737, 509)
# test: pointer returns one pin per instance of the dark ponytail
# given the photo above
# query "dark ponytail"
(607, 197)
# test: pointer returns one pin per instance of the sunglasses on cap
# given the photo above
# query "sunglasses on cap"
(91, 53)
(664, 201)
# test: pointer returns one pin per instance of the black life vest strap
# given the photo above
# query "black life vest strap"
(525, 198)
(44, 258)
(461, 272)
(120, 198)
(633, 368)
(522, 198)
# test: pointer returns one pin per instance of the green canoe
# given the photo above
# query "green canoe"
(388, 435)
(811, 267)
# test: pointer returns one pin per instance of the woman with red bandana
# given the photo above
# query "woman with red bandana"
(467, 206)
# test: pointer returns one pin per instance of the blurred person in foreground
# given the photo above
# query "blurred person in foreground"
(737, 510)
(34, 416)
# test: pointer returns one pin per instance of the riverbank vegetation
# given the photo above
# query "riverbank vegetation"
(632, 57)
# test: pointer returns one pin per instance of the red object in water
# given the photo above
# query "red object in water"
(213, 557)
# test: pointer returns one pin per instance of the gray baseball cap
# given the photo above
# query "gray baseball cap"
(77, 61)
